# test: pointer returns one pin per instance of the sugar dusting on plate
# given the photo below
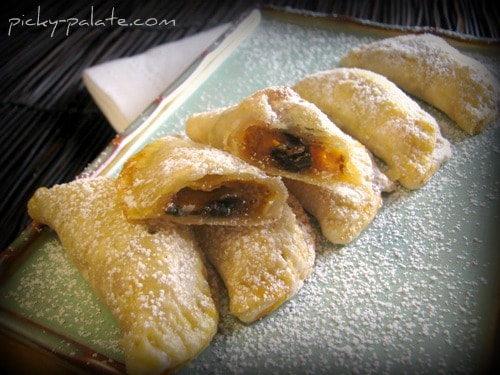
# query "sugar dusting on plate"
(49, 290)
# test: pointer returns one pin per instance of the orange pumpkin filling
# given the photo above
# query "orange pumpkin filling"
(278, 149)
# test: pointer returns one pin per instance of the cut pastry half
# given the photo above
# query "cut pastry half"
(176, 179)
(282, 134)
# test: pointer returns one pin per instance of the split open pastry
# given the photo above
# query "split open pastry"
(153, 282)
(261, 266)
(281, 133)
(176, 179)
(429, 68)
(388, 122)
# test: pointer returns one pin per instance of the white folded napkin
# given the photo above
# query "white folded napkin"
(123, 88)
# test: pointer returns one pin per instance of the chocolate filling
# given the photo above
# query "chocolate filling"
(276, 148)
(291, 154)
(231, 199)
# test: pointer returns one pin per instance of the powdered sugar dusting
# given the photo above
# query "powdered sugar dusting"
(381, 116)
(39, 294)
(430, 68)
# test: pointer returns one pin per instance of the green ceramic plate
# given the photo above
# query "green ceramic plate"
(416, 291)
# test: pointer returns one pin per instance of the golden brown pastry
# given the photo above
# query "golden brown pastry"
(344, 210)
(278, 131)
(176, 179)
(388, 122)
(261, 266)
(429, 68)
(282, 134)
(153, 282)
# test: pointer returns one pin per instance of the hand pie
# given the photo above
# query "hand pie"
(343, 210)
(282, 134)
(388, 122)
(153, 283)
(261, 266)
(285, 135)
(432, 70)
(176, 179)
